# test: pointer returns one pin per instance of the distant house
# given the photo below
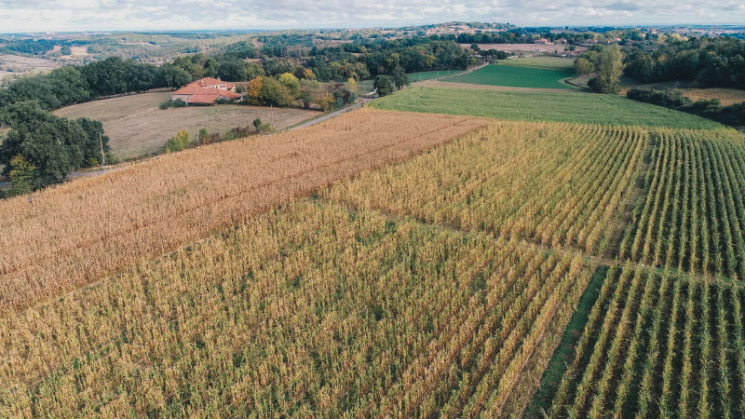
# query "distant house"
(206, 91)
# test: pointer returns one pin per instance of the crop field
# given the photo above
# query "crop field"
(137, 127)
(515, 76)
(390, 264)
(658, 345)
(58, 243)
(584, 108)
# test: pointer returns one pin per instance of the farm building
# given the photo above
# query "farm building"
(206, 91)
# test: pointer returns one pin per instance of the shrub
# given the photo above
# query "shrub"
(179, 142)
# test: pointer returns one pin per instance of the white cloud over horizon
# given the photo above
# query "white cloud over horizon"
(124, 15)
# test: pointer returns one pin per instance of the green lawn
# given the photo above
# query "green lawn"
(515, 76)
(576, 107)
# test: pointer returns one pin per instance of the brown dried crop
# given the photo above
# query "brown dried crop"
(73, 234)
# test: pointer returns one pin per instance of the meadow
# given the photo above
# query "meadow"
(573, 107)
(515, 76)
(137, 127)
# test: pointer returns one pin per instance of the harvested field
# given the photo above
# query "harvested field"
(137, 127)
(58, 243)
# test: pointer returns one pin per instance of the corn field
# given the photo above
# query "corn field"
(73, 234)
(310, 309)
(304, 275)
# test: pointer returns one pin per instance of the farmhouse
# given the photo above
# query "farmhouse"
(206, 91)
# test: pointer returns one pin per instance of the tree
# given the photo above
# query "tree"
(233, 70)
(257, 124)
(383, 85)
(55, 146)
(275, 93)
(583, 66)
(291, 83)
(95, 141)
(21, 175)
(400, 78)
(609, 70)
(174, 76)
(253, 90)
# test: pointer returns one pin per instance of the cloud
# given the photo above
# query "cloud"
(82, 15)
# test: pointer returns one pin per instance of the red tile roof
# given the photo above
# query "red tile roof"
(205, 91)
(203, 99)
(209, 81)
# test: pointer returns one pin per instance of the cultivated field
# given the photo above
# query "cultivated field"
(137, 127)
(393, 264)
(515, 76)
(59, 243)
(539, 106)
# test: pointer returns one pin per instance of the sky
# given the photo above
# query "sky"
(114, 15)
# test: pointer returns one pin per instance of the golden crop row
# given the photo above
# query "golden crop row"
(73, 234)
(311, 309)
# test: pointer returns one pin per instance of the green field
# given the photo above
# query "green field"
(554, 63)
(415, 77)
(515, 76)
(541, 106)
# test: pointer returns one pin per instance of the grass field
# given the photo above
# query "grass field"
(551, 63)
(515, 76)
(540, 106)
(137, 127)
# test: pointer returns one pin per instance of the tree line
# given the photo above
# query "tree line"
(733, 115)
(711, 62)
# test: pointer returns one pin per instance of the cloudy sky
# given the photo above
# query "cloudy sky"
(83, 15)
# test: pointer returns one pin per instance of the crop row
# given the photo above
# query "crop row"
(693, 214)
(658, 345)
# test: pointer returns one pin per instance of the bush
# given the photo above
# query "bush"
(178, 103)
(667, 98)
(178, 142)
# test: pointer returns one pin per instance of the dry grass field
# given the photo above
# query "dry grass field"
(75, 233)
(726, 96)
(137, 127)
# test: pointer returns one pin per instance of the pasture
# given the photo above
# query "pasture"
(515, 76)
(540, 106)
(137, 127)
